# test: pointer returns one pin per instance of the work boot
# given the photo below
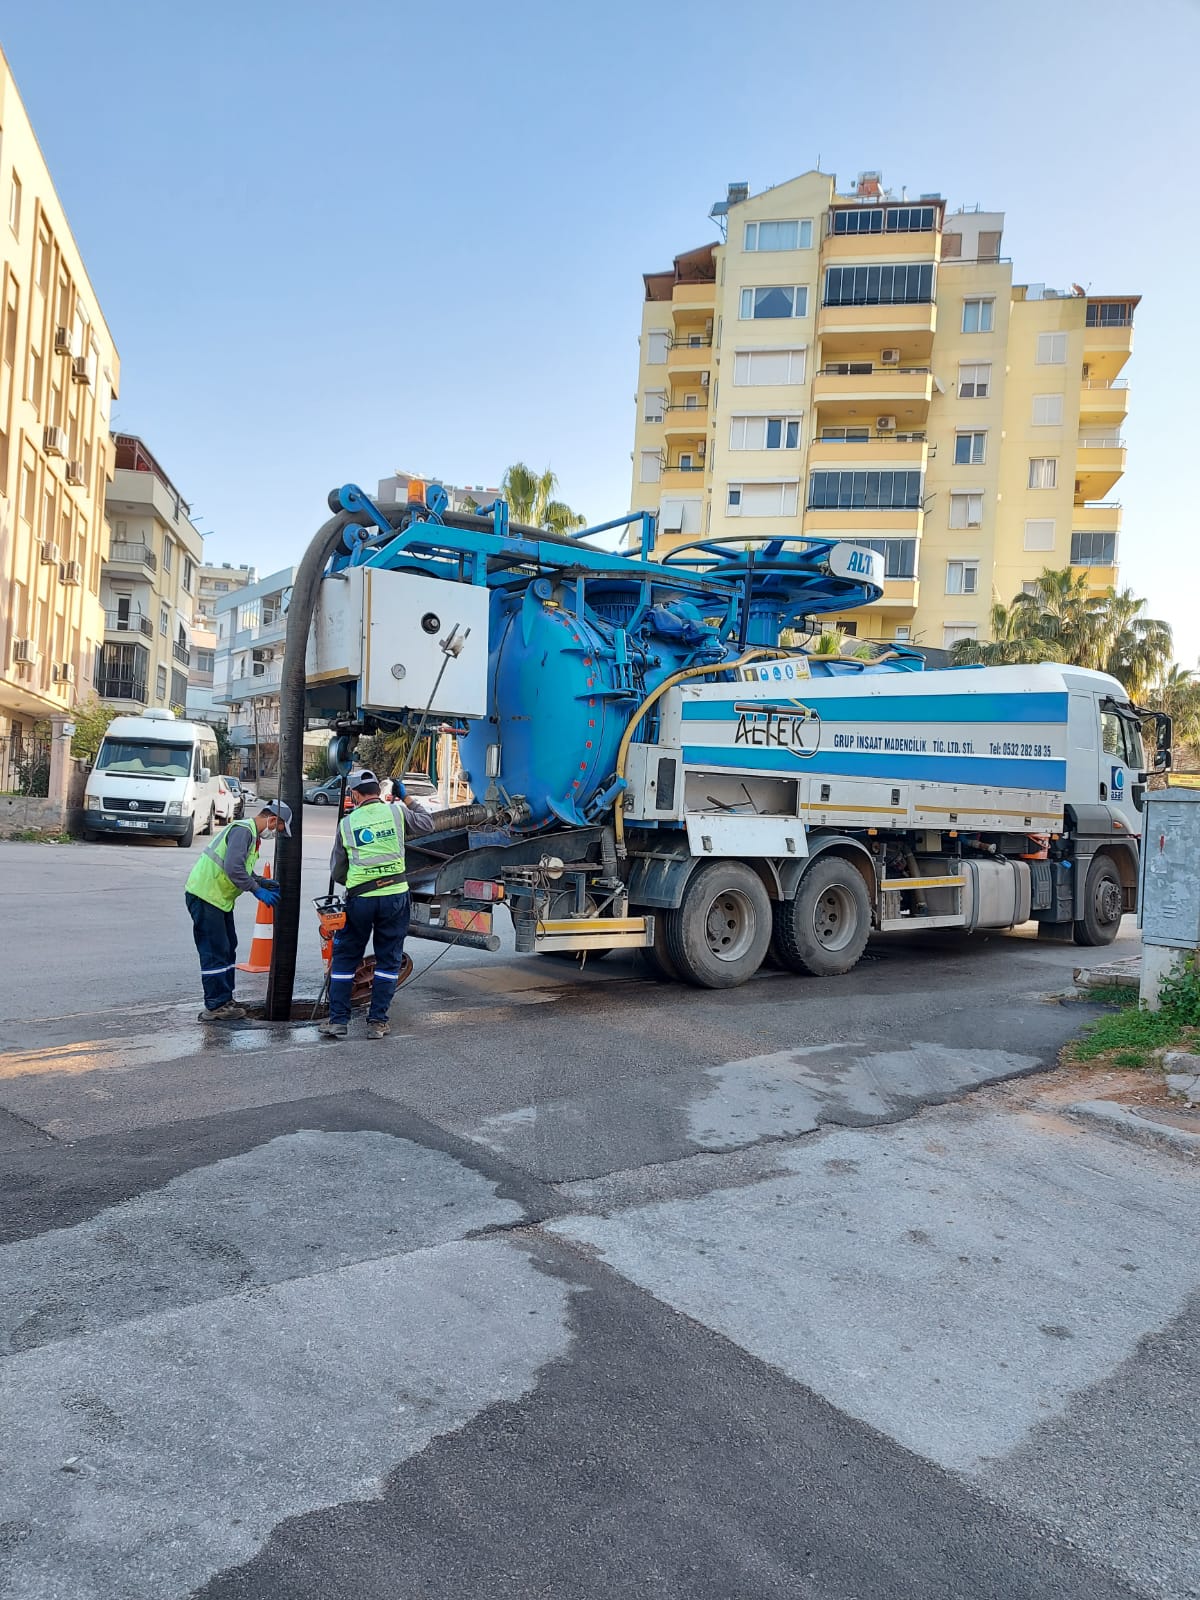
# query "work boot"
(333, 1030)
(229, 1012)
(378, 1030)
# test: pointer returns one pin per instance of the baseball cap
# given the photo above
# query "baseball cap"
(366, 776)
(279, 809)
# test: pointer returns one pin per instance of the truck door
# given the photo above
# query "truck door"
(1122, 767)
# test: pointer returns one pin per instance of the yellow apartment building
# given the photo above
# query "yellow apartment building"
(862, 367)
(149, 585)
(59, 373)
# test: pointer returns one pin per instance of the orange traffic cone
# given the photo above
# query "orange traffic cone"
(264, 933)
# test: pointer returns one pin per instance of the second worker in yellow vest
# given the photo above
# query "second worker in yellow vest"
(368, 857)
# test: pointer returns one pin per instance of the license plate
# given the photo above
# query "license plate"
(129, 822)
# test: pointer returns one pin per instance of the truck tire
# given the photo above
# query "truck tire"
(1103, 903)
(656, 958)
(718, 937)
(823, 929)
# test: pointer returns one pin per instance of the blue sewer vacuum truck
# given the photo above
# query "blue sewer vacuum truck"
(654, 768)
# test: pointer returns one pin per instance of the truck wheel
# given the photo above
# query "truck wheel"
(656, 958)
(185, 839)
(823, 929)
(1103, 904)
(719, 936)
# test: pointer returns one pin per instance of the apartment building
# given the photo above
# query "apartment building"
(59, 373)
(147, 585)
(201, 707)
(251, 623)
(213, 582)
(393, 491)
(862, 367)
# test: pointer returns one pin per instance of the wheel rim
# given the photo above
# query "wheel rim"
(1108, 901)
(729, 925)
(835, 919)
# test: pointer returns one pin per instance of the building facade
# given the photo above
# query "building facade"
(214, 582)
(59, 373)
(251, 622)
(864, 368)
(393, 491)
(148, 585)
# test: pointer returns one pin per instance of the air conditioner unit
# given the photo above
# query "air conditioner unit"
(885, 424)
(54, 441)
(73, 572)
(23, 650)
(704, 377)
(1087, 371)
(67, 672)
(700, 448)
(79, 369)
(889, 358)
(75, 472)
(55, 673)
(50, 555)
(62, 341)
(708, 327)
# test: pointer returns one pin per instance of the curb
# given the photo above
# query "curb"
(1110, 1117)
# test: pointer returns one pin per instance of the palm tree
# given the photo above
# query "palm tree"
(1061, 611)
(1133, 648)
(530, 497)
(1178, 694)
(1011, 642)
(828, 643)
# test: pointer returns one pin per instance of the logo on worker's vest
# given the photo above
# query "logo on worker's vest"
(369, 835)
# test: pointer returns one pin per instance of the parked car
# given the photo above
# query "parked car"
(417, 785)
(226, 802)
(239, 794)
(323, 794)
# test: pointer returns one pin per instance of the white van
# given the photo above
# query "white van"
(158, 776)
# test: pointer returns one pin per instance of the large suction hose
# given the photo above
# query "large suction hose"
(289, 853)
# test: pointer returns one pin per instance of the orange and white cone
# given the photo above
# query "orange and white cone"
(264, 935)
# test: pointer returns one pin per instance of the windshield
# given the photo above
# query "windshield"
(144, 758)
(1123, 737)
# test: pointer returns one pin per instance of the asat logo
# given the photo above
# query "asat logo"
(1117, 786)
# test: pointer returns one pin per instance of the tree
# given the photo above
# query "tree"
(225, 746)
(1010, 644)
(1132, 648)
(91, 721)
(1178, 694)
(530, 497)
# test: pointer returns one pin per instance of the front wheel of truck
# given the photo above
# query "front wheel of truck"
(1103, 904)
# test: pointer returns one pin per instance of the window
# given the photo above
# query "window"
(1051, 349)
(658, 342)
(1047, 410)
(14, 206)
(899, 555)
(691, 402)
(977, 316)
(974, 380)
(885, 219)
(160, 684)
(852, 491)
(651, 467)
(763, 499)
(954, 631)
(678, 515)
(1032, 588)
(764, 433)
(760, 304)
(41, 259)
(1039, 534)
(852, 435)
(849, 628)
(779, 235)
(11, 312)
(655, 405)
(962, 577)
(686, 463)
(966, 511)
(1043, 472)
(904, 284)
(1109, 314)
(768, 366)
(33, 380)
(204, 660)
(969, 449)
(166, 555)
(189, 574)
(164, 620)
(1093, 549)
(902, 635)
(28, 493)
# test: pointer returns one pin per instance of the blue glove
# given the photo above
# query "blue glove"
(399, 792)
(268, 893)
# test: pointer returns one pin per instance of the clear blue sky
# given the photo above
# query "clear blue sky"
(333, 239)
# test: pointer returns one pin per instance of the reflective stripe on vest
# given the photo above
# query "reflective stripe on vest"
(373, 836)
(208, 879)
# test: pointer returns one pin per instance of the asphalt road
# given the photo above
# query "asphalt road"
(575, 1286)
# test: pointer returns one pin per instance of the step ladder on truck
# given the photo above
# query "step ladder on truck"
(653, 768)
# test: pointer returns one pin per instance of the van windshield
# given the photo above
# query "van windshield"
(144, 758)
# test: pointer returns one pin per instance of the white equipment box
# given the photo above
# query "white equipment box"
(384, 631)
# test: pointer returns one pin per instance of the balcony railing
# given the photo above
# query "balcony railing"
(1102, 444)
(699, 408)
(870, 437)
(864, 369)
(1106, 383)
(114, 622)
(684, 466)
(137, 554)
(109, 688)
(690, 341)
(182, 654)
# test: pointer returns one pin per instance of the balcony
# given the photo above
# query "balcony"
(252, 687)
(1113, 342)
(131, 558)
(1104, 400)
(875, 389)
(109, 687)
(845, 329)
(1097, 517)
(877, 522)
(677, 477)
(900, 595)
(262, 633)
(693, 296)
(182, 654)
(903, 450)
(114, 622)
(688, 421)
(1098, 467)
(690, 353)
(908, 244)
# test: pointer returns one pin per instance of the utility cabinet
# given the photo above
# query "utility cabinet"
(1169, 902)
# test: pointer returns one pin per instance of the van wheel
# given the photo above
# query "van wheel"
(719, 936)
(185, 839)
(90, 836)
(823, 929)
(1103, 904)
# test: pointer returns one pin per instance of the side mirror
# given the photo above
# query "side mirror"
(205, 774)
(1162, 742)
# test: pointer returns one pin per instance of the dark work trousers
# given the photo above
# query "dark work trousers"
(216, 940)
(383, 919)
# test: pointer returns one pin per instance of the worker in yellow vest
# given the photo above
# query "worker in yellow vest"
(224, 871)
(368, 857)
